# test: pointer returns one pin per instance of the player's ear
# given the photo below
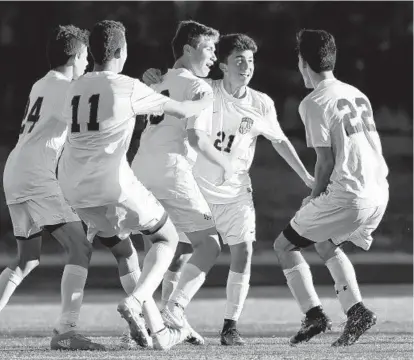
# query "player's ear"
(117, 53)
(223, 67)
(187, 49)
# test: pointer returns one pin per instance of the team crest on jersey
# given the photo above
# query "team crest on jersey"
(245, 125)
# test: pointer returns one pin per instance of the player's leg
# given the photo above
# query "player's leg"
(359, 317)
(236, 222)
(172, 276)
(29, 241)
(193, 217)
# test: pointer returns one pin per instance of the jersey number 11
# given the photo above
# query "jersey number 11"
(92, 124)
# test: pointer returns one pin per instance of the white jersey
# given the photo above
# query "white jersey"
(30, 170)
(339, 116)
(234, 130)
(166, 136)
(100, 109)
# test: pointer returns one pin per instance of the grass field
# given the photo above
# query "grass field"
(269, 319)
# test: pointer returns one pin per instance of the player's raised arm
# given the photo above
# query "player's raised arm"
(146, 101)
(284, 147)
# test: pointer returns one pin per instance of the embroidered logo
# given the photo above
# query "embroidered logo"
(245, 125)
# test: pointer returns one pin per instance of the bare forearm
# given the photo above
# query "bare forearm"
(289, 154)
(323, 172)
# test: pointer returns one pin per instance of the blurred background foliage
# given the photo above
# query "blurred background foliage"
(375, 54)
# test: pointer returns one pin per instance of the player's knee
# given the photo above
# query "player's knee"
(326, 250)
(280, 244)
(167, 234)
(241, 257)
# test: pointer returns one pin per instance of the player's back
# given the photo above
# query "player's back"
(99, 109)
(360, 171)
(30, 168)
(166, 135)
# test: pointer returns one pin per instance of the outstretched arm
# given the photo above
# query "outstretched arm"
(288, 152)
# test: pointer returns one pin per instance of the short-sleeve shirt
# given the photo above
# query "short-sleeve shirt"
(339, 116)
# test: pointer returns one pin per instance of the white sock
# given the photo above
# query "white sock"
(236, 291)
(130, 281)
(299, 280)
(72, 286)
(150, 309)
(169, 283)
(9, 281)
(156, 263)
(346, 285)
(191, 279)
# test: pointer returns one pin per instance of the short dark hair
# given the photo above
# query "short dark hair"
(317, 48)
(234, 42)
(190, 32)
(64, 42)
(106, 37)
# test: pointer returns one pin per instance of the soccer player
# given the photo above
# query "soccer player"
(98, 183)
(32, 191)
(348, 199)
(241, 114)
(162, 164)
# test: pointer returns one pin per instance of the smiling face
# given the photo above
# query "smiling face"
(203, 56)
(239, 68)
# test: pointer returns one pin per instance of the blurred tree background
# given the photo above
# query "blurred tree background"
(375, 53)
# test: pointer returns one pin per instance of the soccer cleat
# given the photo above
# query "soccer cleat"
(231, 337)
(359, 321)
(168, 337)
(176, 319)
(173, 317)
(194, 338)
(72, 340)
(311, 326)
(131, 310)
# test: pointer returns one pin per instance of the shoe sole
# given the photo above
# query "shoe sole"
(141, 338)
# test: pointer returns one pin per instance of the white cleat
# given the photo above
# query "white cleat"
(131, 310)
(168, 337)
(175, 318)
(128, 343)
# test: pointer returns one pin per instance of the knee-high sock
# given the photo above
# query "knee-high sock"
(9, 281)
(236, 291)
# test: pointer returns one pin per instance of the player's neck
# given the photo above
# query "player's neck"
(317, 78)
(67, 71)
(109, 66)
(183, 63)
(237, 91)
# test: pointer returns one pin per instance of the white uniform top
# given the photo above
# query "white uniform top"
(100, 109)
(167, 135)
(339, 116)
(234, 130)
(30, 170)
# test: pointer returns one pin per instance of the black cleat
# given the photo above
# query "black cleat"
(360, 319)
(314, 324)
(231, 337)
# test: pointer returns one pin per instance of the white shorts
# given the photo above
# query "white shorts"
(322, 220)
(30, 216)
(172, 183)
(182, 238)
(141, 213)
(235, 222)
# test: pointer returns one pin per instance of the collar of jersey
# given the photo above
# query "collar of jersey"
(58, 74)
(97, 73)
(325, 83)
(231, 97)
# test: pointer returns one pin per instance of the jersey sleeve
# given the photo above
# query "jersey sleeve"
(316, 125)
(203, 122)
(145, 100)
(271, 129)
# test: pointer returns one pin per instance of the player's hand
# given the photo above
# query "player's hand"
(309, 181)
(152, 76)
